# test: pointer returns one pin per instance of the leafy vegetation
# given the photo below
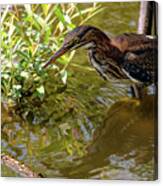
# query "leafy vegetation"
(30, 34)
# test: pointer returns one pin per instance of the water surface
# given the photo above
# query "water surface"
(91, 128)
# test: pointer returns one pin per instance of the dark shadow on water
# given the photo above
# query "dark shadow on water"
(125, 144)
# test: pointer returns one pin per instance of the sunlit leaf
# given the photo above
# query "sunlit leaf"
(24, 74)
(41, 90)
(59, 14)
(64, 76)
(28, 9)
(3, 16)
(45, 8)
(17, 87)
(40, 20)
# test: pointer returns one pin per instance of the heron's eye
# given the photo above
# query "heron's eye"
(71, 43)
(76, 40)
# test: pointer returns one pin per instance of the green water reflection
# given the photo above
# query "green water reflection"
(89, 129)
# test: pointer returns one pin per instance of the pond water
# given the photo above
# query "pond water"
(91, 128)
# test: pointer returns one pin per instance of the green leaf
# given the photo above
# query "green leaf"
(63, 76)
(40, 20)
(24, 74)
(5, 12)
(16, 91)
(41, 90)
(28, 9)
(24, 55)
(59, 14)
(45, 8)
(5, 75)
(17, 87)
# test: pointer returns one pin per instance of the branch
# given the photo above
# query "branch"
(18, 167)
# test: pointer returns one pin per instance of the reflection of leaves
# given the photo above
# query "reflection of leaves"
(57, 145)
(65, 127)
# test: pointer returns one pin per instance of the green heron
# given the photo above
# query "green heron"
(127, 56)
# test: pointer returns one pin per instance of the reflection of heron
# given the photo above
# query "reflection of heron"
(128, 56)
(128, 127)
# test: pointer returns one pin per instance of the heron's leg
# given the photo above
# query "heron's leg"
(138, 91)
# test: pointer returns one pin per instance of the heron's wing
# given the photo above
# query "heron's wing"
(134, 42)
(140, 56)
(141, 65)
(137, 73)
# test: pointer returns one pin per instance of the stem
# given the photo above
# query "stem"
(145, 17)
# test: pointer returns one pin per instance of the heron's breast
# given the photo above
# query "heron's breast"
(107, 68)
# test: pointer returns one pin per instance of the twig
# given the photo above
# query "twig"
(18, 167)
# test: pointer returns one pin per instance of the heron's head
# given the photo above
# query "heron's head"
(80, 36)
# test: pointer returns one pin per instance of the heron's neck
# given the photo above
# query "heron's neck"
(98, 42)
(105, 50)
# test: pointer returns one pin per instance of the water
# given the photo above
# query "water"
(91, 128)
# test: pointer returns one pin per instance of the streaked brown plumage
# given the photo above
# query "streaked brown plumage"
(128, 56)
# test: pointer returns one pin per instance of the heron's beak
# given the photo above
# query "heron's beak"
(59, 53)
